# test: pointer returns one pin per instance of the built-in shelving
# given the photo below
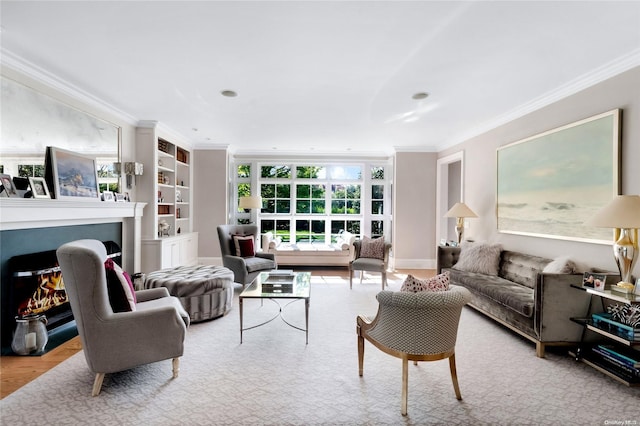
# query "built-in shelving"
(167, 189)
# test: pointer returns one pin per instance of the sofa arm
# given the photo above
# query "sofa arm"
(556, 302)
(446, 257)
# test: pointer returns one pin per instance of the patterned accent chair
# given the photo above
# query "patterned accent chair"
(415, 327)
(245, 269)
(117, 341)
(368, 264)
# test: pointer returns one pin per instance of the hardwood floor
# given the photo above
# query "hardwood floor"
(17, 371)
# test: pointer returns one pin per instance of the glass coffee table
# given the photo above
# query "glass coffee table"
(276, 285)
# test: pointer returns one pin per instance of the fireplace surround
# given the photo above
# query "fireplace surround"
(30, 226)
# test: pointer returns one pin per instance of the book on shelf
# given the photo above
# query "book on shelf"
(627, 358)
(604, 321)
(603, 359)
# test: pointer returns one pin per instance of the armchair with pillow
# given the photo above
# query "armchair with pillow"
(119, 328)
(418, 323)
(371, 255)
(240, 252)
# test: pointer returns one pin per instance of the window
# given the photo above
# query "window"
(314, 201)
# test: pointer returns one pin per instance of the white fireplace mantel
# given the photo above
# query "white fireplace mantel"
(21, 213)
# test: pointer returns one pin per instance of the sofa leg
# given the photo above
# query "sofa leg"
(540, 349)
(350, 278)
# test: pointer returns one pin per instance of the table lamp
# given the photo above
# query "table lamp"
(460, 211)
(250, 202)
(622, 214)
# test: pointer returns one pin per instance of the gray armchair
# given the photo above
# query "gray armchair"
(113, 342)
(415, 326)
(245, 269)
(368, 264)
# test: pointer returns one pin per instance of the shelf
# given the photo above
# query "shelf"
(587, 322)
(165, 169)
(610, 294)
(607, 369)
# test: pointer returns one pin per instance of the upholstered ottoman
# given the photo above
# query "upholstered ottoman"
(205, 291)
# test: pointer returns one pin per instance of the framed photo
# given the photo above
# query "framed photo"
(8, 188)
(119, 197)
(71, 175)
(551, 183)
(107, 196)
(594, 281)
(636, 289)
(39, 187)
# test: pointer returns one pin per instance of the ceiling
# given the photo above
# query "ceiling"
(324, 77)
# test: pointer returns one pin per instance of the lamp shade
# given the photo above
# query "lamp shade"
(252, 202)
(460, 210)
(622, 212)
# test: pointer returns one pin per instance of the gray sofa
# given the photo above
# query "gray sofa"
(521, 297)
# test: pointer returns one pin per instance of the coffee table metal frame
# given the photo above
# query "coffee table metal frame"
(301, 290)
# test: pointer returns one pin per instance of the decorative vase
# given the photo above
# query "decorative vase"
(31, 334)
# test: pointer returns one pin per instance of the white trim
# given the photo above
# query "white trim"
(415, 264)
(600, 74)
(16, 63)
(442, 186)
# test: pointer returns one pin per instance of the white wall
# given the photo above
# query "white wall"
(210, 175)
(414, 206)
(622, 91)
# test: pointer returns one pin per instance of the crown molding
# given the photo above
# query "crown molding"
(29, 69)
(598, 75)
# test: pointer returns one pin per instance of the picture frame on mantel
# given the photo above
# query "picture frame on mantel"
(39, 187)
(71, 176)
(550, 184)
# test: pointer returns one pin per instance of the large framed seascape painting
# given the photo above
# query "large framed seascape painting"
(70, 175)
(551, 183)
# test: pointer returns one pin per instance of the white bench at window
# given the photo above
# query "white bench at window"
(339, 253)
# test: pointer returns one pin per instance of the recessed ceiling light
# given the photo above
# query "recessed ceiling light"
(229, 93)
(420, 95)
(195, 129)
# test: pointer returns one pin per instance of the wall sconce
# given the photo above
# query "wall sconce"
(131, 170)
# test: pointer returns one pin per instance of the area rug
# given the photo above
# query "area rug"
(274, 378)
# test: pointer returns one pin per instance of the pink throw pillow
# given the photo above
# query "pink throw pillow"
(437, 283)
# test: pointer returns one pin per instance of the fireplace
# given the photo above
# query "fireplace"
(37, 287)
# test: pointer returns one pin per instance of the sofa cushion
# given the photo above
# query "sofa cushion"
(565, 265)
(516, 297)
(521, 268)
(438, 283)
(481, 258)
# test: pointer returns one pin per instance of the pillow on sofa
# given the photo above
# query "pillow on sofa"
(481, 258)
(372, 249)
(244, 245)
(565, 265)
(437, 283)
(122, 296)
(345, 240)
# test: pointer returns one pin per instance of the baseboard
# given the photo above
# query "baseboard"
(415, 263)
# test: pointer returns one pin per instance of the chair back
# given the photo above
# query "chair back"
(422, 323)
(85, 281)
(226, 233)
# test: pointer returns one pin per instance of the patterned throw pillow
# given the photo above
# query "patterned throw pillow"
(244, 245)
(437, 283)
(122, 295)
(373, 249)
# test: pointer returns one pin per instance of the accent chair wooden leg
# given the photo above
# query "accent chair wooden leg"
(454, 376)
(176, 367)
(97, 384)
(361, 276)
(384, 279)
(360, 354)
(405, 385)
(350, 277)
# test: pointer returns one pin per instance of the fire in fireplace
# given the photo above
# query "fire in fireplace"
(38, 286)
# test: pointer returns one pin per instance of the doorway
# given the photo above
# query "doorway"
(450, 190)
